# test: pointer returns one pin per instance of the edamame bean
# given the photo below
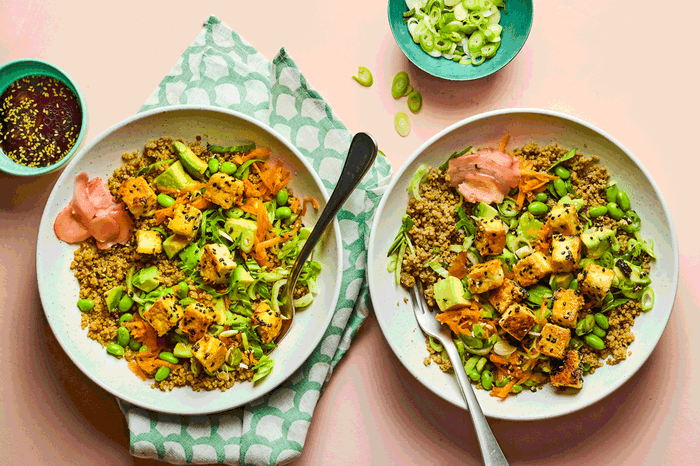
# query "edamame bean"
(614, 211)
(135, 345)
(623, 200)
(228, 168)
(115, 350)
(165, 200)
(562, 172)
(541, 197)
(214, 165)
(126, 318)
(611, 193)
(560, 187)
(487, 380)
(594, 341)
(162, 373)
(123, 336)
(168, 357)
(125, 303)
(517, 388)
(597, 211)
(538, 208)
(601, 320)
(85, 305)
(585, 325)
(474, 375)
(282, 197)
(599, 332)
(283, 212)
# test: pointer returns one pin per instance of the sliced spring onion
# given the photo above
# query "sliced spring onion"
(504, 349)
(364, 76)
(399, 85)
(647, 299)
(415, 101)
(418, 177)
(402, 124)
(245, 147)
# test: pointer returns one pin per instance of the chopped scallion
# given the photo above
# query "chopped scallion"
(402, 124)
(415, 101)
(364, 76)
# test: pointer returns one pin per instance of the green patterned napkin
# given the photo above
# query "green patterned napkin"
(221, 69)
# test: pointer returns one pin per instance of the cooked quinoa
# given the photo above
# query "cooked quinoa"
(433, 232)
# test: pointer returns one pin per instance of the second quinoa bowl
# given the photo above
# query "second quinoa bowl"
(498, 230)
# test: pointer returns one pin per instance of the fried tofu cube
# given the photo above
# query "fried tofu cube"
(139, 198)
(164, 314)
(517, 320)
(186, 221)
(568, 373)
(210, 351)
(532, 268)
(554, 340)
(224, 190)
(509, 293)
(148, 242)
(269, 322)
(594, 282)
(486, 276)
(490, 238)
(564, 219)
(566, 252)
(216, 264)
(565, 309)
(196, 319)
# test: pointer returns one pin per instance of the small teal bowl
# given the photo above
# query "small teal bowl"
(516, 20)
(17, 69)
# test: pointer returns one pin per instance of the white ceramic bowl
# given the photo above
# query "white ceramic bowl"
(524, 125)
(58, 287)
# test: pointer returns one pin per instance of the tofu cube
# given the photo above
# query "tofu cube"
(568, 373)
(554, 340)
(564, 219)
(164, 314)
(486, 276)
(186, 221)
(531, 269)
(509, 293)
(594, 282)
(224, 190)
(490, 238)
(148, 242)
(196, 319)
(269, 322)
(210, 351)
(139, 198)
(565, 309)
(566, 252)
(216, 264)
(517, 320)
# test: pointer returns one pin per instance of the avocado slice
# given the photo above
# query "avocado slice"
(174, 244)
(484, 210)
(174, 177)
(220, 310)
(241, 226)
(597, 241)
(113, 296)
(449, 293)
(243, 275)
(193, 164)
(147, 279)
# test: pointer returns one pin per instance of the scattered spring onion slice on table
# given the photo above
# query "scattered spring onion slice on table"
(466, 31)
(399, 85)
(415, 101)
(364, 76)
(402, 124)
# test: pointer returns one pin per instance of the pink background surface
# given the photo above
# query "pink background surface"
(626, 67)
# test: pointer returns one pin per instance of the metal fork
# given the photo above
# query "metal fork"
(490, 450)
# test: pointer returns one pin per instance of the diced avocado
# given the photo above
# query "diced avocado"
(193, 164)
(147, 279)
(174, 177)
(182, 351)
(484, 210)
(562, 280)
(242, 227)
(578, 203)
(220, 309)
(597, 240)
(243, 275)
(174, 244)
(449, 293)
(113, 296)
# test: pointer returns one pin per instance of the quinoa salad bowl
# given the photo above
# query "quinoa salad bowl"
(554, 293)
(204, 301)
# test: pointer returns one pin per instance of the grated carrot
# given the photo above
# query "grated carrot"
(504, 143)
(460, 320)
(313, 202)
(531, 182)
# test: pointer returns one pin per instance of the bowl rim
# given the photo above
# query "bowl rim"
(430, 71)
(372, 253)
(70, 82)
(45, 224)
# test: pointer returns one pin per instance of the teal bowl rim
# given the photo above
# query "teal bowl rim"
(436, 67)
(37, 66)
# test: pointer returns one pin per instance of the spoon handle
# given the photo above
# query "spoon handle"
(361, 155)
